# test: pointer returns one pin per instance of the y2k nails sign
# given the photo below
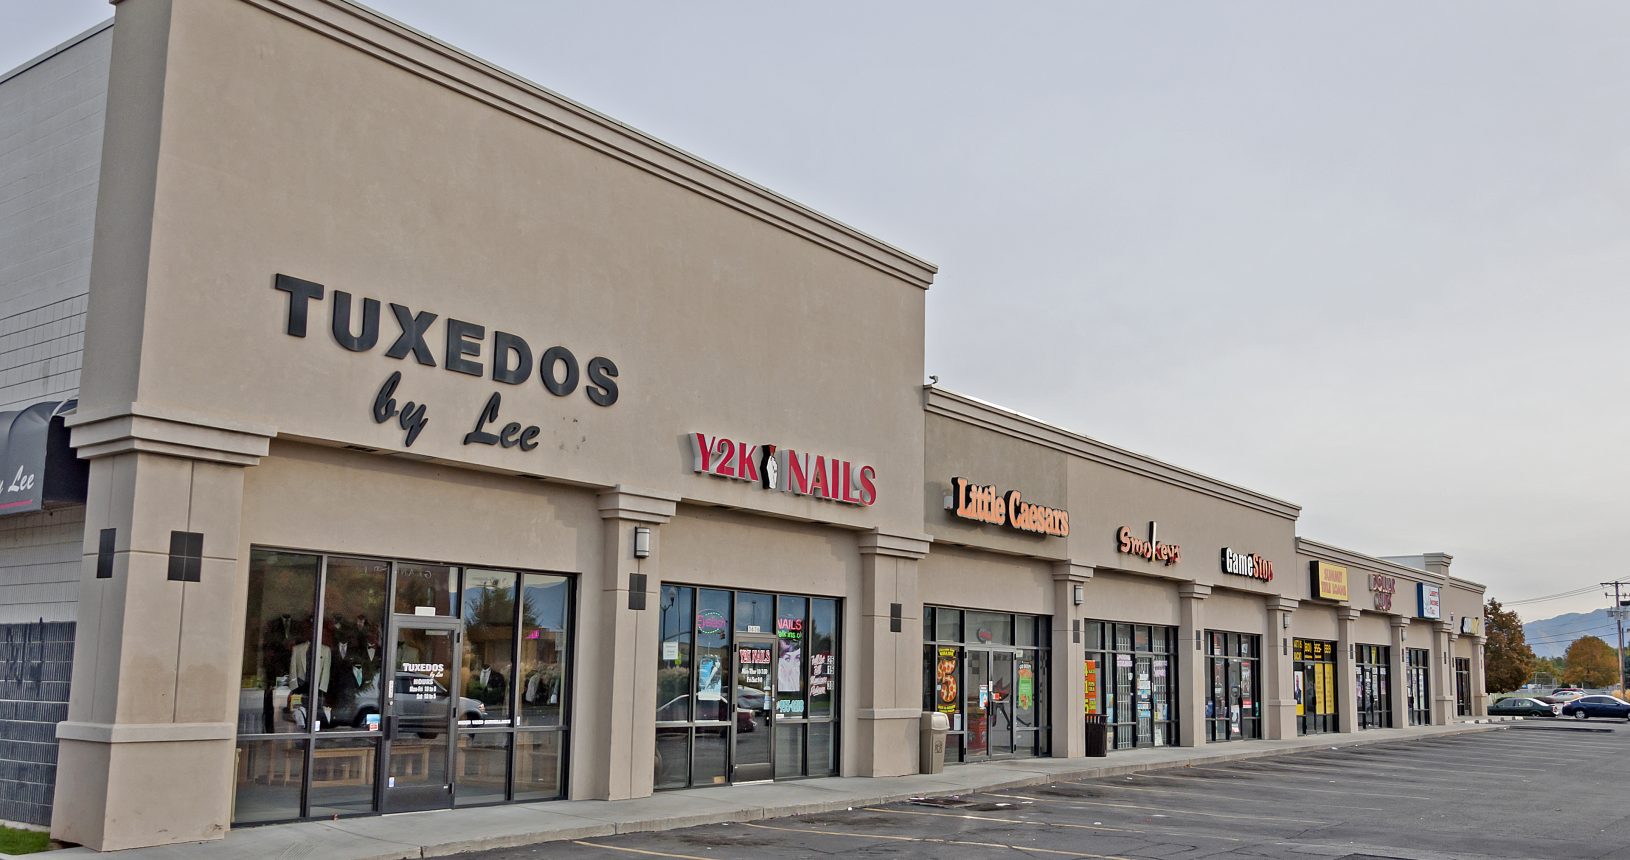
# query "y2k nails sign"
(785, 470)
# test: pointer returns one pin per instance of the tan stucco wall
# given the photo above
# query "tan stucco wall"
(951, 576)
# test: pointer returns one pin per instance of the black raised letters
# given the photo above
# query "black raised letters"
(413, 326)
(300, 293)
(513, 435)
(459, 337)
(342, 323)
(503, 345)
(411, 417)
(546, 370)
(602, 389)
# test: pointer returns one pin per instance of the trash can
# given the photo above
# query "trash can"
(1097, 735)
(931, 742)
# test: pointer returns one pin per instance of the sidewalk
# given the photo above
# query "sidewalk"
(444, 832)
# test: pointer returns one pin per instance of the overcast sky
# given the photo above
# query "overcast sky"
(1369, 257)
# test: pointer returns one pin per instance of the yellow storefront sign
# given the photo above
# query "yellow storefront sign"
(1329, 581)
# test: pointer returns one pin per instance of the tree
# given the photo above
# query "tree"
(1507, 660)
(1591, 663)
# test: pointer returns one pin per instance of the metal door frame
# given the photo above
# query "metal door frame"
(389, 729)
(767, 641)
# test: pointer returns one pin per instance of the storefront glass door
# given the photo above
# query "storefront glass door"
(754, 723)
(1374, 691)
(419, 717)
(976, 705)
(1463, 686)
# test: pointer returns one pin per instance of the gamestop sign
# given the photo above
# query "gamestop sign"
(785, 470)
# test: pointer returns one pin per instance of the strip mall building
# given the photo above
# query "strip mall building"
(385, 432)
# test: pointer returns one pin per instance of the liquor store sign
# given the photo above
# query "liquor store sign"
(985, 504)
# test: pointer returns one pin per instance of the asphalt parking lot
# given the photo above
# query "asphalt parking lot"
(1533, 790)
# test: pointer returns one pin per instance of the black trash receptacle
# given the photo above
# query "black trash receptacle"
(1097, 735)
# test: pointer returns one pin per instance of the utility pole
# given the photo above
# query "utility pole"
(1618, 615)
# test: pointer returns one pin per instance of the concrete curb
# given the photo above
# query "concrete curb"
(435, 834)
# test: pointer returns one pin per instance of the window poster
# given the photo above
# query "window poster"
(1091, 672)
(789, 669)
(709, 680)
(1298, 681)
(821, 669)
(945, 681)
(1026, 691)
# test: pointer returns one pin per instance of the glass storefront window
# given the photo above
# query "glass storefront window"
(545, 603)
(777, 719)
(1131, 679)
(346, 682)
(1374, 685)
(1233, 708)
(1313, 685)
(992, 690)
(1419, 667)
(673, 654)
(282, 599)
(487, 667)
(425, 589)
(317, 636)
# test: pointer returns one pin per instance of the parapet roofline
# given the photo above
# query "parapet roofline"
(1326, 552)
(421, 54)
(29, 64)
(988, 415)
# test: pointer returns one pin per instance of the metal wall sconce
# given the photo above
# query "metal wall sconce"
(1079, 594)
(1284, 621)
(642, 542)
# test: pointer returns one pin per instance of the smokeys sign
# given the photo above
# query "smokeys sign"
(785, 470)
(984, 504)
(465, 348)
(1151, 549)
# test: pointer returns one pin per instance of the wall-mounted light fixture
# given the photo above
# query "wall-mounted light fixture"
(1403, 634)
(1078, 594)
(642, 542)
(1284, 621)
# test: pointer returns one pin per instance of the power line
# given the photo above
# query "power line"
(1558, 596)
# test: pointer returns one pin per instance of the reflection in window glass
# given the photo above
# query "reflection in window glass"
(789, 660)
(425, 589)
(713, 667)
(753, 612)
(991, 627)
(673, 654)
(349, 657)
(542, 678)
(672, 764)
(342, 776)
(949, 624)
(823, 655)
(821, 761)
(269, 778)
(482, 771)
(282, 598)
(537, 765)
(488, 665)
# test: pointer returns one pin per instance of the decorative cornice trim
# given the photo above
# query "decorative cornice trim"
(1194, 590)
(989, 416)
(1282, 604)
(136, 733)
(1072, 571)
(1348, 613)
(876, 542)
(637, 505)
(143, 428)
(419, 54)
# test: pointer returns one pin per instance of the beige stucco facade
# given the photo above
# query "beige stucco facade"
(287, 270)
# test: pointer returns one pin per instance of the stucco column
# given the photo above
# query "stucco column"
(1191, 674)
(145, 756)
(1479, 679)
(615, 727)
(1396, 672)
(1443, 678)
(1278, 669)
(1346, 670)
(886, 677)
(1067, 684)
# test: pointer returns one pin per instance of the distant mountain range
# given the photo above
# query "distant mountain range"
(1550, 637)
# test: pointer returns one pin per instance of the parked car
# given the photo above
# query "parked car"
(1563, 694)
(1609, 707)
(708, 707)
(1524, 706)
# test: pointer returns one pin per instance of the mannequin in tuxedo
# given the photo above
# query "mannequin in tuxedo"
(493, 685)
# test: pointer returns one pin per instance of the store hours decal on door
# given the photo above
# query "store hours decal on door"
(509, 360)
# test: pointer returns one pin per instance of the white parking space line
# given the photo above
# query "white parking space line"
(1345, 770)
(933, 841)
(1276, 780)
(1206, 795)
(1143, 831)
